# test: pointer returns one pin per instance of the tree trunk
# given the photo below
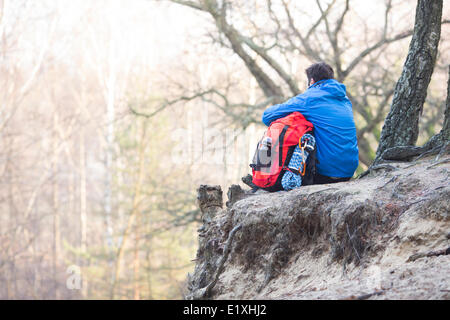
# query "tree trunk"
(401, 126)
(110, 114)
(83, 194)
(444, 135)
(133, 217)
(136, 261)
(55, 199)
(83, 208)
(445, 132)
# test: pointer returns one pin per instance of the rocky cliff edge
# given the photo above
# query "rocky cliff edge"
(383, 236)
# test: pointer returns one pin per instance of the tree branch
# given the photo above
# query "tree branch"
(369, 50)
(263, 54)
(169, 103)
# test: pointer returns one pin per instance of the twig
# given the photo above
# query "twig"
(365, 296)
(318, 191)
(443, 148)
(417, 201)
(427, 153)
(438, 163)
(368, 295)
(351, 241)
(380, 166)
(416, 256)
(168, 103)
(413, 163)
(390, 180)
(205, 292)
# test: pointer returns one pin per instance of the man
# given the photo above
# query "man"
(326, 106)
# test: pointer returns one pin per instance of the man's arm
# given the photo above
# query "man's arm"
(281, 110)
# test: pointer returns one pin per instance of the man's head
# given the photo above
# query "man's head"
(319, 71)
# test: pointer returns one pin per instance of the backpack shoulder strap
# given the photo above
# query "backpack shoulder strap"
(311, 161)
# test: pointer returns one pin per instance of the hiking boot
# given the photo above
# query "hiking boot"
(248, 181)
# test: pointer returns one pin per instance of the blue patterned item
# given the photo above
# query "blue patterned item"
(291, 180)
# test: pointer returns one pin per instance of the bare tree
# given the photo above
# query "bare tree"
(268, 49)
(133, 221)
(401, 127)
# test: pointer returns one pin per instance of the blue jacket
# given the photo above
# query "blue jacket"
(326, 106)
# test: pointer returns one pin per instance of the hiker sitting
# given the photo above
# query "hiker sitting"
(326, 105)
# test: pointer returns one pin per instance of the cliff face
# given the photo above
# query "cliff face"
(385, 236)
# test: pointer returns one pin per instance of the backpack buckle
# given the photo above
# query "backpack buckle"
(307, 142)
(307, 145)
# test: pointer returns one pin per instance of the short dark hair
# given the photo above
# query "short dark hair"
(319, 71)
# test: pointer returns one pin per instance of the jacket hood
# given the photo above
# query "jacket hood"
(331, 86)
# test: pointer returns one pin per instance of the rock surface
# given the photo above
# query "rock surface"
(385, 236)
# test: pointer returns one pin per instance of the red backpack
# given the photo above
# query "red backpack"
(275, 150)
